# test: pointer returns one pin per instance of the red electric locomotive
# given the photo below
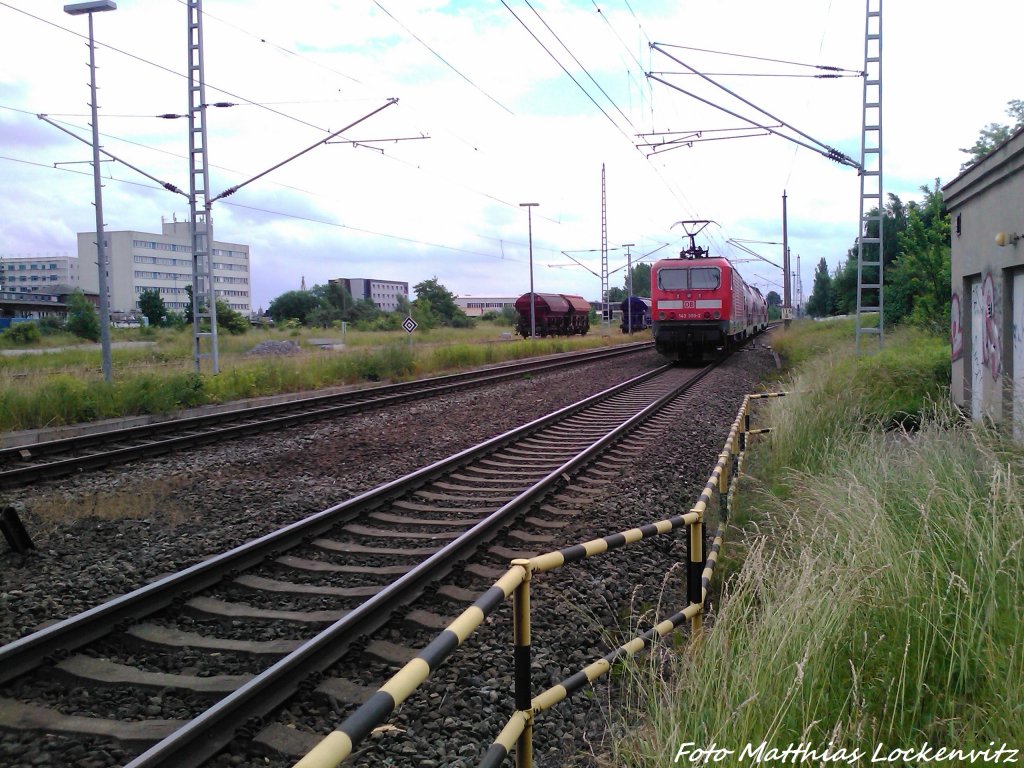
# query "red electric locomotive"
(701, 306)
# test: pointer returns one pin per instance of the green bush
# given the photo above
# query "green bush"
(23, 333)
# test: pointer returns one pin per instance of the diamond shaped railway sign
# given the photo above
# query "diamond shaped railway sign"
(409, 324)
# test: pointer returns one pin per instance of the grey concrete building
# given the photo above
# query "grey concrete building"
(986, 208)
(385, 294)
(38, 273)
(140, 261)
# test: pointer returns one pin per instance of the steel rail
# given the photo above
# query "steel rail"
(27, 653)
(205, 735)
(314, 409)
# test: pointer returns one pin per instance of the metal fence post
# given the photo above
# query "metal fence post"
(521, 660)
(695, 573)
(723, 488)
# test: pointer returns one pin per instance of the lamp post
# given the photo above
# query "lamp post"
(89, 8)
(529, 222)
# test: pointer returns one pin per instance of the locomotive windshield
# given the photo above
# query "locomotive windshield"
(692, 278)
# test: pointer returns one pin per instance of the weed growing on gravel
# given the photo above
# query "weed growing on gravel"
(147, 500)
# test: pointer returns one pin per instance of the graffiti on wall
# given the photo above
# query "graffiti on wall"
(991, 349)
(956, 330)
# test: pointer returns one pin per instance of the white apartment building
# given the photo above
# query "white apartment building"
(142, 261)
(38, 274)
(383, 293)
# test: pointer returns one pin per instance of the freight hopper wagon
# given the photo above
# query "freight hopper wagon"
(702, 307)
(636, 314)
(554, 314)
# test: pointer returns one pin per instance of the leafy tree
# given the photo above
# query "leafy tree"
(294, 305)
(822, 301)
(774, 300)
(234, 322)
(918, 285)
(152, 306)
(424, 314)
(363, 310)
(324, 316)
(82, 319)
(995, 134)
(616, 295)
(641, 274)
(441, 304)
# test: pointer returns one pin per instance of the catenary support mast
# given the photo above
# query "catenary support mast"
(204, 300)
(870, 254)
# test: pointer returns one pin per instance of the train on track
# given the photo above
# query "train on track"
(554, 314)
(636, 314)
(701, 306)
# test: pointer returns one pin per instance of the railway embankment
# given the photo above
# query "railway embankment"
(870, 610)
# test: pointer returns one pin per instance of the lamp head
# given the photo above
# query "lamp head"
(91, 6)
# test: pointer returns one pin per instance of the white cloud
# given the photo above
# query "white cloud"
(506, 125)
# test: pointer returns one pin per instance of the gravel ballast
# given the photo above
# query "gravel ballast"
(172, 512)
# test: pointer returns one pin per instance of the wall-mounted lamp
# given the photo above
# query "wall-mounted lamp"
(1002, 238)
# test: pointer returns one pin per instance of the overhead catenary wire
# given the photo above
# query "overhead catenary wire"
(821, 148)
(563, 68)
(578, 62)
(445, 61)
(284, 214)
(764, 58)
(163, 68)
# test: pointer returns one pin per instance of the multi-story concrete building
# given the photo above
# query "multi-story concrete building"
(142, 261)
(385, 294)
(38, 274)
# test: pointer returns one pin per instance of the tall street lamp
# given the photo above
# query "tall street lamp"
(529, 221)
(89, 8)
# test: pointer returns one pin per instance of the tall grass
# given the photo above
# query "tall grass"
(67, 387)
(879, 597)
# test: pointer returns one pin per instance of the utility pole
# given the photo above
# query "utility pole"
(629, 287)
(533, 307)
(89, 8)
(787, 305)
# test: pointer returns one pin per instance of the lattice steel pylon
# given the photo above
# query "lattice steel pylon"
(870, 253)
(204, 302)
(606, 311)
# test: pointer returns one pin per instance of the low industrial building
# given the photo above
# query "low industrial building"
(987, 313)
(475, 306)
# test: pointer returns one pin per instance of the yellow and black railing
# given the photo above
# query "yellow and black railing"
(518, 731)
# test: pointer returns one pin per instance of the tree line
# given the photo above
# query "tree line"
(327, 305)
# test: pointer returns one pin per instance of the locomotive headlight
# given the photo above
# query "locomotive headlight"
(661, 315)
(707, 315)
(718, 315)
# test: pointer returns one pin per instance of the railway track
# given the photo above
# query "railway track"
(51, 459)
(205, 651)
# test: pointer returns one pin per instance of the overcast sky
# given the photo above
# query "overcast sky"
(519, 102)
